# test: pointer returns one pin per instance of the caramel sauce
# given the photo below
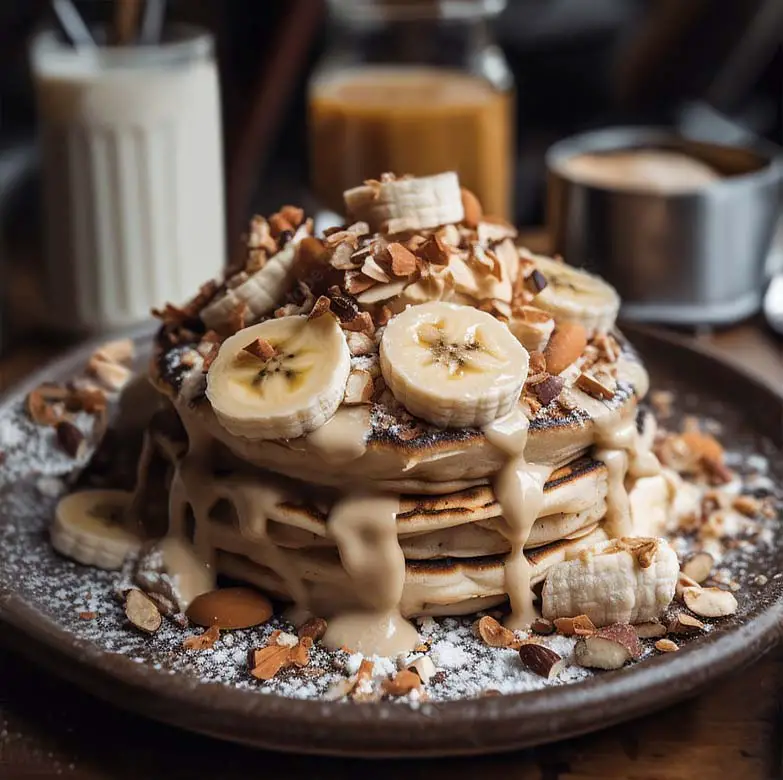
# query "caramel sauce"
(419, 120)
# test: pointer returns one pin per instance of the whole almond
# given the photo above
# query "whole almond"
(315, 628)
(566, 344)
(472, 208)
(230, 608)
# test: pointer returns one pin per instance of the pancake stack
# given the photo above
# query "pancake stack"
(407, 416)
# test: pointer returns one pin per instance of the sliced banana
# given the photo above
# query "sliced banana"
(395, 206)
(629, 580)
(452, 365)
(293, 391)
(88, 528)
(262, 292)
(573, 295)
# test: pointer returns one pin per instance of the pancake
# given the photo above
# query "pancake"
(395, 452)
(447, 586)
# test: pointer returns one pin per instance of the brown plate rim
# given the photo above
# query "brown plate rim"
(473, 726)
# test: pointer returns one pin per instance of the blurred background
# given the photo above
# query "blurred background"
(566, 65)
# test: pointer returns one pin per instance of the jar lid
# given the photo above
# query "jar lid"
(408, 10)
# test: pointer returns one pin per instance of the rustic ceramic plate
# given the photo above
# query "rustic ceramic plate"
(752, 415)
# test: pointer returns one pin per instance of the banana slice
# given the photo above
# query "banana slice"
(290, 382)
(88, 528)
(628, 580)
(452, 365)
(572, 295)
(397, 205)
(262, 292)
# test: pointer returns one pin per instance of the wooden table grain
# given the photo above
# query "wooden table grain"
(733, 731)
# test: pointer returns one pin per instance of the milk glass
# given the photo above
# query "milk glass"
(132, 172)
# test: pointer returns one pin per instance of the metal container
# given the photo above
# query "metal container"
(693, 257)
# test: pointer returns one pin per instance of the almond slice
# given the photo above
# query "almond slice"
(402, 683)
(649, 630)
(683, 623)
(268, 661)
(403, 261)
(698, 567)
(471, 205)
(710, 602)
(142, 612)
(203, 641)
(565, 346)
(666, 646)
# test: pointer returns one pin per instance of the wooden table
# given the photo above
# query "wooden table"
(732, 732)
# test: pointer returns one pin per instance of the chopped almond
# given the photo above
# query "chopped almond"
(433, 251)
(203, 641)
(321, 307)
(40, 410)
(359, 388)
(268, 661)
(593, 387)
(293, 215)
(403, 261)
(581, 625)
(492, 633)
(565, 346)
(362, 323)
(357, 282)
(278, 224)
(402, 684)
(261, 349)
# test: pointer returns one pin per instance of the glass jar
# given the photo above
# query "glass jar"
(414, 87)
(132, 168)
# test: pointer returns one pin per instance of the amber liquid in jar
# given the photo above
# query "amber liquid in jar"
(419, 120)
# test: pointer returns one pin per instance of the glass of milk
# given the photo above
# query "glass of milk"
(132, 170)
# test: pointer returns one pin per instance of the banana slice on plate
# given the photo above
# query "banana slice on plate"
(281, 378)
(88, 528)
(452, 365)
(262, 292)
(573, 295)
(398, 205)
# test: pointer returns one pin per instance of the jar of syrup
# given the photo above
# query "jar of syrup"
(413, 86)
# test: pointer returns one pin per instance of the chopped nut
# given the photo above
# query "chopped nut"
(142, 611)
(549, 389)
(652, 628)
(493, 633)
(543, 626)
(702, 445)
(537, 363)
(40, 409)
(88, 615)
(118, 351)
(747, 505)
(359, 388)
(433, 251)
(536, 282)
(114, 376)
(268, 661)
(71, 439)
(698, 567)
(314, 628)
(403, 261)
(361, 322)
(320, 307)
(261, 349)
(593, 387)
(278, 224)
(402, 683)
(717, 472)
(357, 282)
(683, 623)
(300, 652)
(710, 602)
(359, 344)
(471, 205)
(203, 641)
(581, 625)
(666, 646)
(541, 660)
(684, 582)
(371, 269)
(608, 648)
(565, 346)
(424, 667)
(293, 215)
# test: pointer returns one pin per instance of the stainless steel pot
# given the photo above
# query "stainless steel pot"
(695, 257)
